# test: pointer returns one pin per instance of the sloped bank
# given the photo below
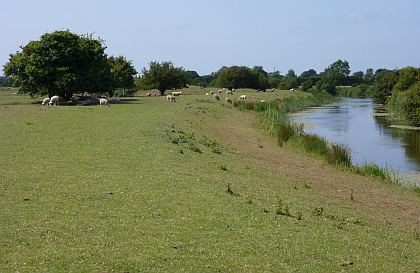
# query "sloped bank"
(274, 117)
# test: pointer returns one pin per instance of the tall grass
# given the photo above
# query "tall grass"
(361, 91)
(370, 169)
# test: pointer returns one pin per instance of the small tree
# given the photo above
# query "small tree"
(237, 77)
(121, 72)
(163, 76)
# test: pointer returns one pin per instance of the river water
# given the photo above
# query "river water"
(351, 122)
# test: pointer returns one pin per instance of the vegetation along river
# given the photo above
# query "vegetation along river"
(351, 122)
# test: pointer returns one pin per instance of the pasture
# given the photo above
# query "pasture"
(192, 186)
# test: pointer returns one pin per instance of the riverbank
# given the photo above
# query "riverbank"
(341, 122)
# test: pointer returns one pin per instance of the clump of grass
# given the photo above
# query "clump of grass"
(193, 147)
(181, 151)
(351, 195)
(285, 132)
(299, 215)
(223, 167)
(318, 211)
(339, 154)
(244, 104)
(213, 145)
(282, 209)
(374, 170)
(230, 191)
(315, 144)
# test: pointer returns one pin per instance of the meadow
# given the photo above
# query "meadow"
(192, 186)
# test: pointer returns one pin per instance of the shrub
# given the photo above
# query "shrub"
(412, 106)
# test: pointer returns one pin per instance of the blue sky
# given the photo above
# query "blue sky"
(205, 35)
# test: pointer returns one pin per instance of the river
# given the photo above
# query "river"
(351, 122)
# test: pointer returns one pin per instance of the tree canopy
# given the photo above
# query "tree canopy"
(62, 63)
(163, 76)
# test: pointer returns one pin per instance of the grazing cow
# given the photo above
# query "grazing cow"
(291, 89)
(207, 94)
(216, 97)
(229, 100)
(176, 94)
(148, 94)
(242, 97)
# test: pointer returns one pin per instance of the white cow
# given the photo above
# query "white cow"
(242, 97)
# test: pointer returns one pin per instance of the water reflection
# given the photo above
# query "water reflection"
(351, 122)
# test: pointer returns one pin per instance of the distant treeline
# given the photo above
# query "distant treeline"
(337, 74)
(5, 81)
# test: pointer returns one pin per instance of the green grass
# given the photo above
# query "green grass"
(382, 173)
(98, 189)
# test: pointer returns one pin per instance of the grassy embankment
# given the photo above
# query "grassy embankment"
(191, 186)
(274, 116)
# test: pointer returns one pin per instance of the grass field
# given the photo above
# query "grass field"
(191, 186)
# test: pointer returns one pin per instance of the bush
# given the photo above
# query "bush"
(412, 106)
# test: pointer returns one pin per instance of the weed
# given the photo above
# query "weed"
(299, 215)
(230, 191)
(285, 132)
(307, 185)
(193, 147)
(374, 170)
(351, 195)
(181, 151)
(223, 168)
(318, 211)
(282, 209)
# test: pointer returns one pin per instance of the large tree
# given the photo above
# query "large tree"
(121, 72)
(335, 74)
(60, 63)
(163, 76)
